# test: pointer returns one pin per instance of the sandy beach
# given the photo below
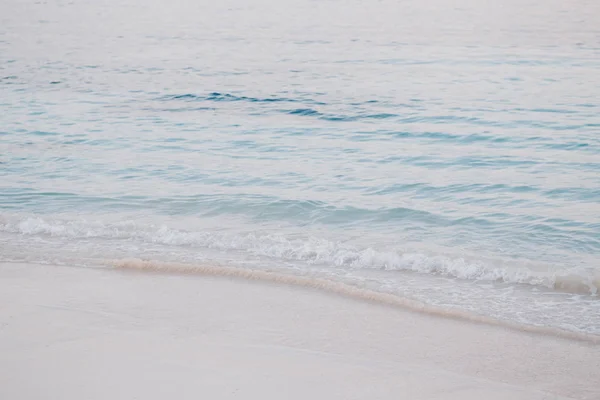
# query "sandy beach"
(75, 333)
(298, 200)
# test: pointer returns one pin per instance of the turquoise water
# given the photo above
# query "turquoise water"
(448, 153)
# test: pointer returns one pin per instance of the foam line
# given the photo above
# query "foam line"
(310, 250)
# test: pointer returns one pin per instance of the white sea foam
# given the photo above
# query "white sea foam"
(309, 250)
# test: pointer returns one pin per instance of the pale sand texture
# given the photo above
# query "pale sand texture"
(72, 333)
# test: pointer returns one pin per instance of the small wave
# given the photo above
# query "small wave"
(303, 111)
(217, 96)
(380, 116)
(345, 290)
(309, 112)
(311, 250)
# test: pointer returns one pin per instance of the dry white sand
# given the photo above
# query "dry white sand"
(72, 333)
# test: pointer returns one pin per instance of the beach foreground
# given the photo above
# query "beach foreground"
(75, 333)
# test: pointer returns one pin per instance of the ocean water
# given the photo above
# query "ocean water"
(446, 152)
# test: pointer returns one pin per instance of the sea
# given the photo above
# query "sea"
(446, 152)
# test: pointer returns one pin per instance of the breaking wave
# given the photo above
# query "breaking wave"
(311, 250)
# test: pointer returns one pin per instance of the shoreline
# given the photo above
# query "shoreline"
(89, 333)
(345, 290)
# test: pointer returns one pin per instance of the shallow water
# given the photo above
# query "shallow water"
(446, 152)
